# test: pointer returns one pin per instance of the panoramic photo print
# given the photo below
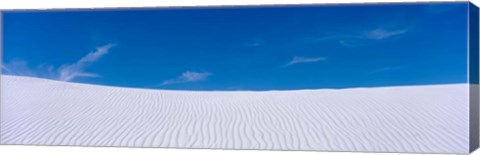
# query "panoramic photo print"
(355, 77)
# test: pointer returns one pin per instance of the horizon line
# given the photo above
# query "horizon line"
(225, 90)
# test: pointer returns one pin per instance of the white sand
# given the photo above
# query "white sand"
(431, 119)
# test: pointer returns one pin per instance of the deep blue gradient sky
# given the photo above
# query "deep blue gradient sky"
(246, 48)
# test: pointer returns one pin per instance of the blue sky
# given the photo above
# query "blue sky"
(246, 48)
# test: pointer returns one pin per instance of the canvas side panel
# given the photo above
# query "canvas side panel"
(473, 76)
(1, 62)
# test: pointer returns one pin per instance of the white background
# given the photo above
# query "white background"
(75, 150)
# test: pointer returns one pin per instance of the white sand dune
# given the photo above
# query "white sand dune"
(431, 119)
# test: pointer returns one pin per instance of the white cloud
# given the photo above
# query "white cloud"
(72, 71)
(18, 67)
(297, 60)
(361, 37)
(255, 42)
(379, 33)
(4, 68)
(188, 76)
(66, 72)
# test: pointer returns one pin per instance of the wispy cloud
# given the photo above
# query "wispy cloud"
(255, 42)
(18, 67)
(297, 60)
(380, 33)
(367, 37)
(72, 71)
(362, 36)
(66, 72)
(4, 68)
(187, 77)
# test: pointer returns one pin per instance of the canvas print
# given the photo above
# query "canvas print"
(400, 77)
